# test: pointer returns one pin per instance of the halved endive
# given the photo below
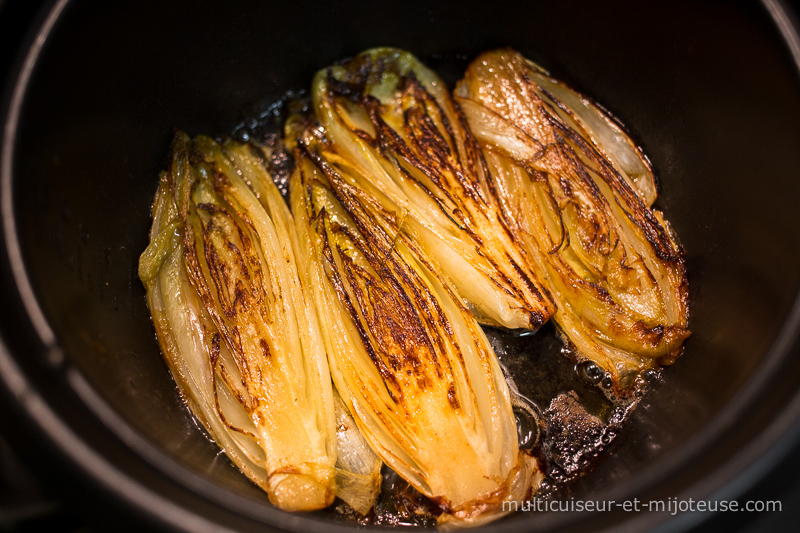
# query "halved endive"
(410, 361)
(239, 331)
(579, 191)
(391, 118)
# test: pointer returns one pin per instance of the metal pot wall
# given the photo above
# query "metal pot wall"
(710, 90)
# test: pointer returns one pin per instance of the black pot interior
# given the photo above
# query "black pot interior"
(708, 90)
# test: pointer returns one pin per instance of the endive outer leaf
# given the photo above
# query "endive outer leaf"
(235, 324)
(392, 120)
(411, 363)
(358, 468)
(186, 335)
(612, 266)
(594, 124)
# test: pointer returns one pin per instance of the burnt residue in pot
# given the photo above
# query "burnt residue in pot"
(580, 416)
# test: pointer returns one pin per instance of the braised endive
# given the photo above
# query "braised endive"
(318, 344)
(238, 330)
(579, 190)
(412, 364)
(392, 119)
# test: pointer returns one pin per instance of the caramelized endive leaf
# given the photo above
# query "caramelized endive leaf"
(413, 366)
(236, 326)
(593, 124)
(392, 120)
(612, 265)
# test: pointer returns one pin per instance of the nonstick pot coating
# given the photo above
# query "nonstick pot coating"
(708, 89)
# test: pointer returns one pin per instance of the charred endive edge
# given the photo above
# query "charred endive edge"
(238, 329)
(411, 362)
(579, 190)
(392, 119)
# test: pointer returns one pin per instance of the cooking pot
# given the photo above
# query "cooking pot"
(710, 90)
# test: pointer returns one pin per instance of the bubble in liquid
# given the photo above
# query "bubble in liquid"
(651, 376)
(527, 428)
(589, 372)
